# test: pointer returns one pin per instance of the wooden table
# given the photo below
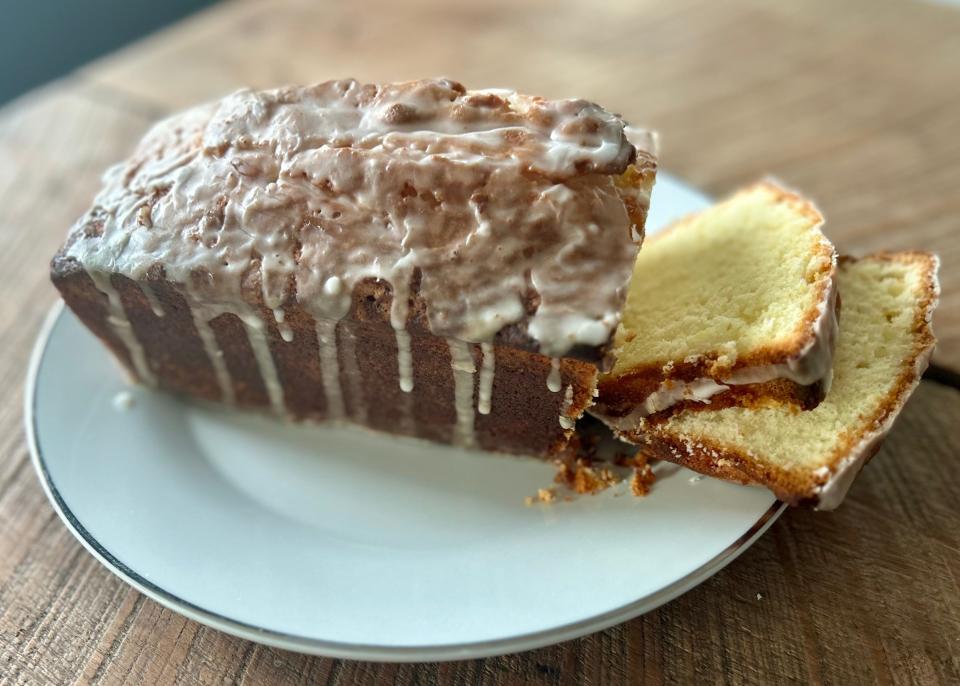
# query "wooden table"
(856, 103)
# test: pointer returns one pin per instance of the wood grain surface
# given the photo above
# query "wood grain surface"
(856, 103)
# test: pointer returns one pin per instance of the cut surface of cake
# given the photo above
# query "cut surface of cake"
(735, 305)
(811, 457)
(417, 258)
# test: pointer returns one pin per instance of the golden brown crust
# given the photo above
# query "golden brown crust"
(873, 429)
(858, 445)
(700, 456)
(725, 462)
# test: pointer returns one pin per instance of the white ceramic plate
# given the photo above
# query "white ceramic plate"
(341, 542)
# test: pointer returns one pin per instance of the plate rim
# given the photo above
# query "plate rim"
(349, 650)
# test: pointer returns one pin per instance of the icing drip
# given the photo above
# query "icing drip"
(117, 319)
(330, 366)
(565, 421)
(151, 298)
(265, 364)
(123, 401)
(486, 378)
(399, 310)
(202, 316)
(348, 352)
(404, 361)
(463, 374)
(554, 380)
(286, 333)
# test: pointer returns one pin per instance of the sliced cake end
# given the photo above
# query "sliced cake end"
(735, 305)
(812, 457)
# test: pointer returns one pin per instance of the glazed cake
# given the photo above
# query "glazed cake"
(812, 457)
(416, 257)
(735, 305)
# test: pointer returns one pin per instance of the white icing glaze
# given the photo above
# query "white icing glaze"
(286, 333)
(566, 421)
(151, 298)
(256, 334)
(487, 371)
(487, 193)
(554, 380)
(669, 393)
(464, 370)
(330, 367)
(117, 319)
(123, 401)
(404, 360)
(333, 286)
(203, 314)
(399, 311)
(351, 370)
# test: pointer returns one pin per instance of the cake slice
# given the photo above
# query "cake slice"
(416, 258)
(731, 306)
(812, 457)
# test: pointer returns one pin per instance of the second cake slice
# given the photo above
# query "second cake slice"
(812, 458)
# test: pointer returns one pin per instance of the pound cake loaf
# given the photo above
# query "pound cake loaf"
(417, 258)
(735, 305)
(812, 457)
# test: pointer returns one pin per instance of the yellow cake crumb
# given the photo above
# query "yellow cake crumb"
(583, 477)
(546, 495)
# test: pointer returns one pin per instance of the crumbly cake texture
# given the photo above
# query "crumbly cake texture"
(735, 305)
(812, 458)
(582, 475)
(414, 257)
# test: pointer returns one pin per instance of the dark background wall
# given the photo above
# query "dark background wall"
(43, 39)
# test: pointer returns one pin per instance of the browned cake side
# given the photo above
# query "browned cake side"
(524, 415)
